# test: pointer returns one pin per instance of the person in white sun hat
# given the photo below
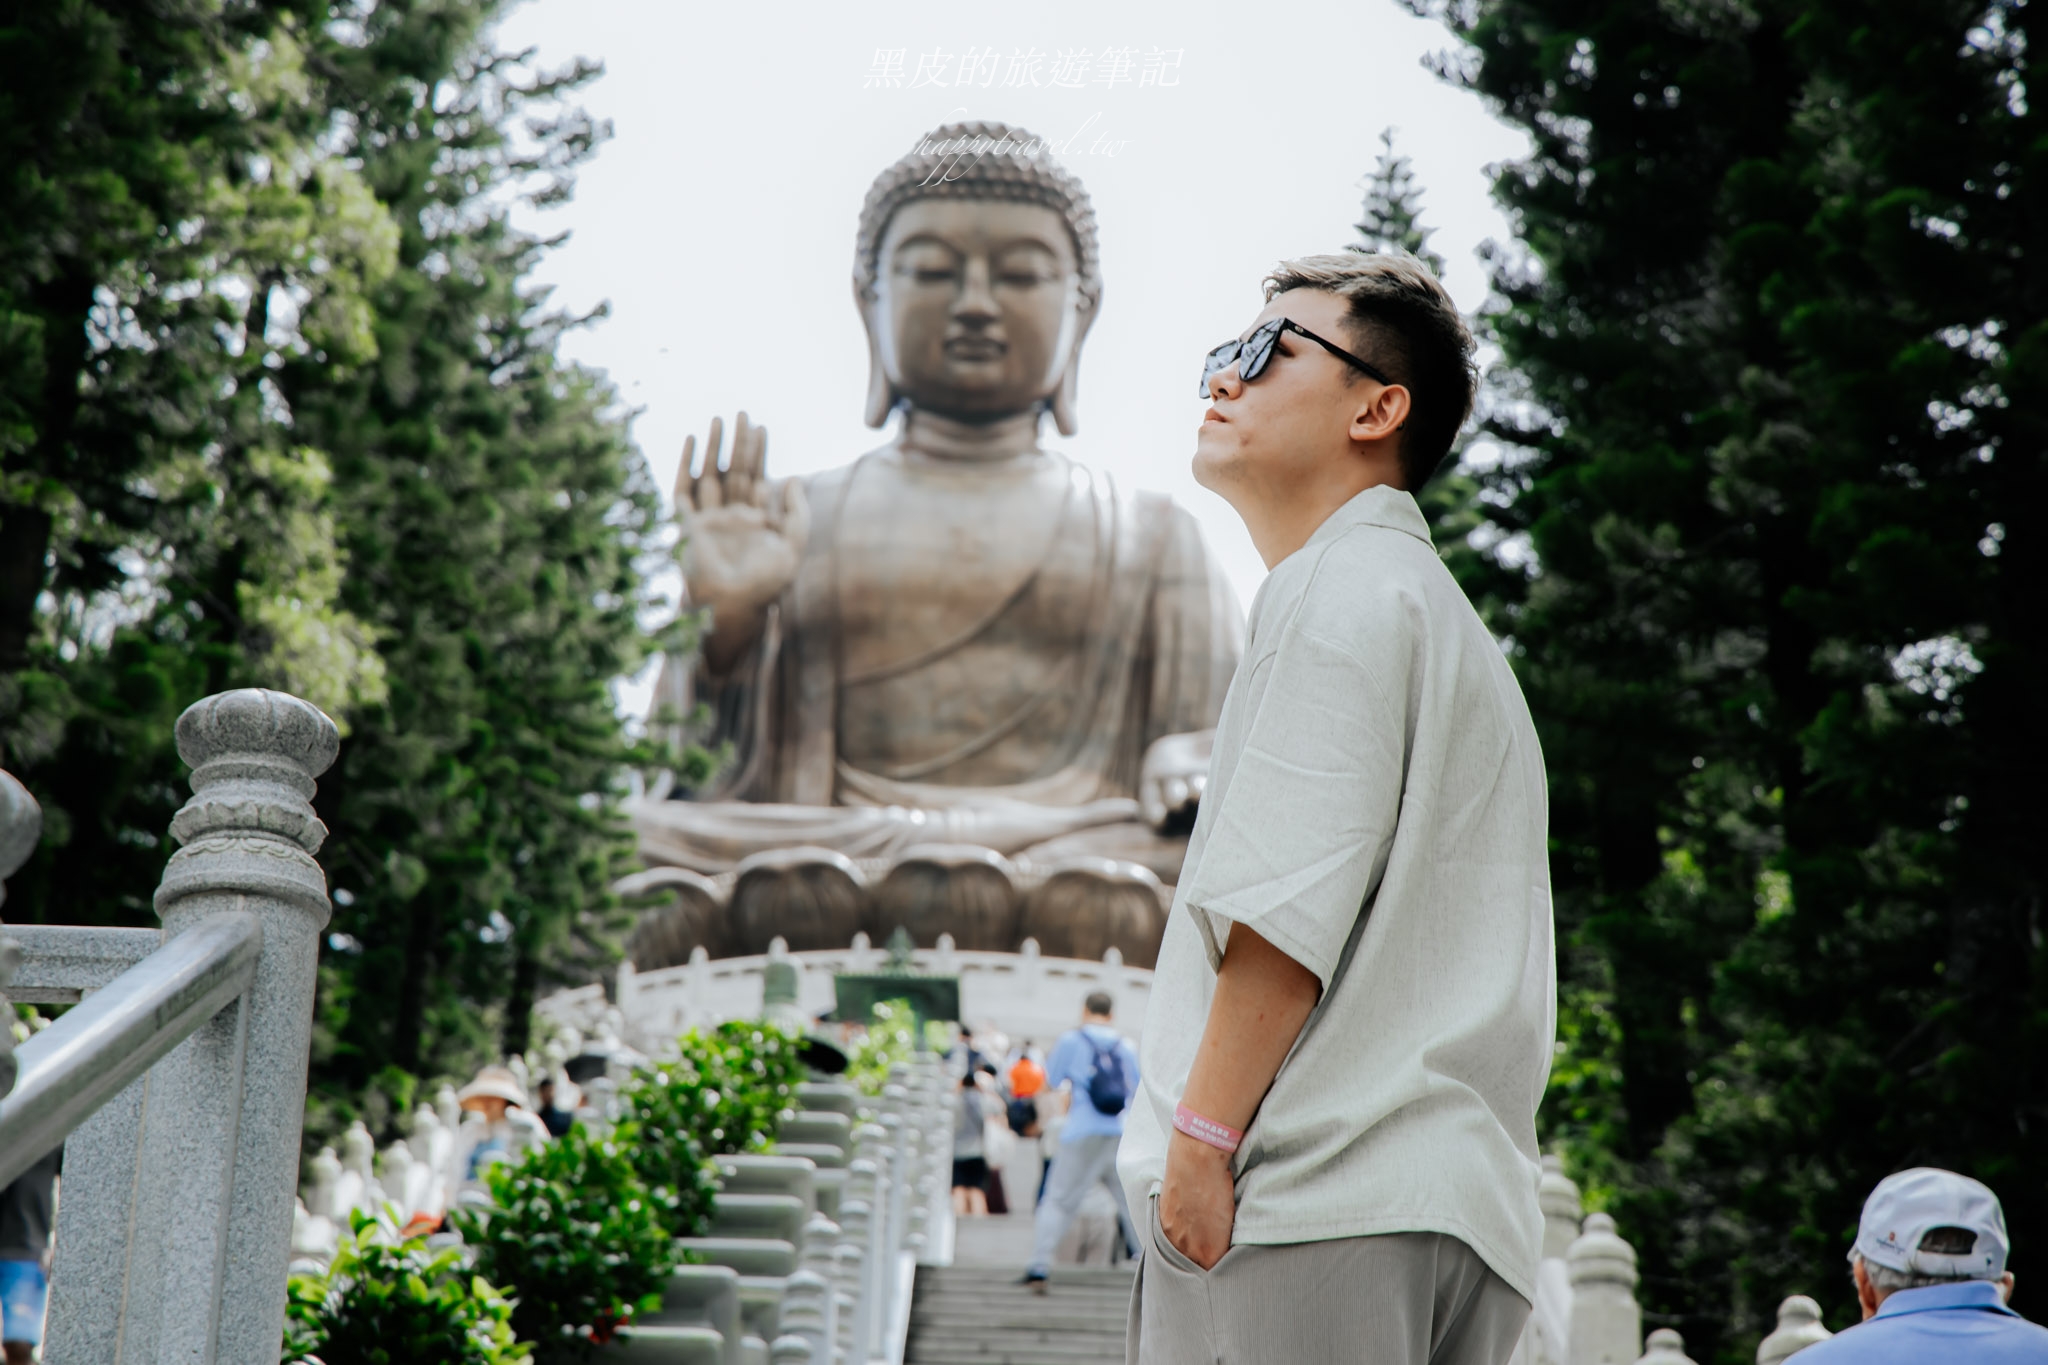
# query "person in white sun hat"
(508, 1128)
(1929, 1263)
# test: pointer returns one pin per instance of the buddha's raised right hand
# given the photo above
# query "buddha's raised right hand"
(742, 536)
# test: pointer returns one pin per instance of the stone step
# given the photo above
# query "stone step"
(1068, 1310)
(981, 1315)
(1104, 1351)
(1035, 1333)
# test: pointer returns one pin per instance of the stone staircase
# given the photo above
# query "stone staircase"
(980, 1315)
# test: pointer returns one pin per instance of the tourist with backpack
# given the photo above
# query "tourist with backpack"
(1101, 1067)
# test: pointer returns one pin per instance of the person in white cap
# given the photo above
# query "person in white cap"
(508, 1128)
(1929, 1264)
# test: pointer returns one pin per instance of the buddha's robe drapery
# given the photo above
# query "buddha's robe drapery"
(1007, 710)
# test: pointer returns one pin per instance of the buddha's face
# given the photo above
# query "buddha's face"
(977, 305)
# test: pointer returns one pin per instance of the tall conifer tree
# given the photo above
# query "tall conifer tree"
(1765, 542)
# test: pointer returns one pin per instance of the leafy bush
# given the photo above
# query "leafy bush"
(667, 1107)
(391, 1301)
(728, 1090)
(759, 1067)
(577, 1236)
(891, 1037)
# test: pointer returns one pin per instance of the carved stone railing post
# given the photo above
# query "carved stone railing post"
(201, 1171)
(1606, 1324)
(1665, 1347)
(1799, 1327)
(1558, 1196)
(21, 825)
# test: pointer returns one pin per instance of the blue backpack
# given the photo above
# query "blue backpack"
(1107, 1090)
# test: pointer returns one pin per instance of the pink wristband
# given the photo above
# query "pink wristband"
(1186, 1120)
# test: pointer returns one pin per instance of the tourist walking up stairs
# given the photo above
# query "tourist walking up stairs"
(1101, 1068)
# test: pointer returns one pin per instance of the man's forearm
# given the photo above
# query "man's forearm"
(1263, 997)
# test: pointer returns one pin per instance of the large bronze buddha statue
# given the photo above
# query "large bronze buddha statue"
(960, 638)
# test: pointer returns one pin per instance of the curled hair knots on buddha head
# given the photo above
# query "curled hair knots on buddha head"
(978, 160)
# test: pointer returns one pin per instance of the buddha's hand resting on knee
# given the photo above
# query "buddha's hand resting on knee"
(1171, 779)
(1197, 1200)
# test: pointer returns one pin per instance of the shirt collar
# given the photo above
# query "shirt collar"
(1933, 1297)
(1381, 505)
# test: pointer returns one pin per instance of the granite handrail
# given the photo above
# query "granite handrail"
(178, 1082)
(95, 1051)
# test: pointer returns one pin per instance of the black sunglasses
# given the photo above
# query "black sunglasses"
(1255, 352)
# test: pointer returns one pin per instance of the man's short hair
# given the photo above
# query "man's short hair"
(1940, 1241)
(1402, 321)
(1098, 1002)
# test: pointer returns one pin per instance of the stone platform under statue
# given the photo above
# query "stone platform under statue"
(965, 684)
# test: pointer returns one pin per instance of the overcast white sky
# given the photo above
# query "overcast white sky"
(719, 220)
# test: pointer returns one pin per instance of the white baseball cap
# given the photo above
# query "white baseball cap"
(1904, 1207)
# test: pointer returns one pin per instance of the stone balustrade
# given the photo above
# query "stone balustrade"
(814, 898)
(1586, 1312)
(1024, 994)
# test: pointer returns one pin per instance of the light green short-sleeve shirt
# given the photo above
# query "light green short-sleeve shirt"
(1376, 809)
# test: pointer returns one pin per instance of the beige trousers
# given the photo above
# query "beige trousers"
(1405, 1298)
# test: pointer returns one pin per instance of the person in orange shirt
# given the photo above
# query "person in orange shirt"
(1027, 1077)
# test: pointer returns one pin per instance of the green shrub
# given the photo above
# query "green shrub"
(728, 1089)
(575, 1234)
(759, 1066)
(385, 1301)
(667, 1107)
(890, 1038)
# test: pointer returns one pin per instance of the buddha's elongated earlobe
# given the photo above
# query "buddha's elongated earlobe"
(1063, 396)
(882, 395)
(1063, 401)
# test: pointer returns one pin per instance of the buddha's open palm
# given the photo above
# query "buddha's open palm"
(742, 535)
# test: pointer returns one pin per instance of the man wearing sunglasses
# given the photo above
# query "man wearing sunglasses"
(1333, 1146)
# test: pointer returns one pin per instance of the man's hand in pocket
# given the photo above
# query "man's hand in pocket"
(1197, 1200)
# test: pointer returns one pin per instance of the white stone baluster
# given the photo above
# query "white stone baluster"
(1665, 1347)
(1558, 1197)
(887, 1227)
(433, 1146)
(807, 1314)
(1799, 1327)
(850, 1260)
(856, 1238)
(1546, 1337)
(698, 988)
(821, 1242)
(326, 1172)
(871, 1140)
(1606, 1324)
(397, 1179)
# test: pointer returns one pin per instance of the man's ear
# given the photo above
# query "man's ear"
(882, 395)
(1382, 413)
(1866, 1292)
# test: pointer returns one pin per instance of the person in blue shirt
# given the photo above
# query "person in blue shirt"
(1101, 1067)
(1929, 1264)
